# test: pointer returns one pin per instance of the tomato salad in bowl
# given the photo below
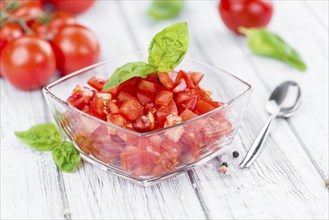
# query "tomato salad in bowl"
(149, 121)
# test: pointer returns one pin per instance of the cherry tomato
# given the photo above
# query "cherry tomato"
(28, 62)
(24, 8)
(49, 30)
(75, 47)
(74, 6)
(245, 13)
(8, 33)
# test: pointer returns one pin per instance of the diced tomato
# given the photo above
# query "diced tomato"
(152, 78)
(163, 112)
(98, 103)
(196, 77)
(112, 108)
(203, 106)
(124, 96)
(181, 86)
(150, 107)
(147, 86)
(114, 91)
(144, 123)
(116, 119)
(190, 104)
(163, 98)
(187, 115)
(131, 109)
(172, 120)
(80, 97)
(184, 97)
(144, 97)
(183, 75)
(97, 83)
(202, 93)
(166, 81)
(103, 148)
(129, 86)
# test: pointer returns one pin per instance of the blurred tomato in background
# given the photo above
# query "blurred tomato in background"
(74, 6)
(28, 62)
(245, 13)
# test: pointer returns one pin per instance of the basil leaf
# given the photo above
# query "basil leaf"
(66, 157)
(166, 9)
(168, 47)
(43, 137)
(127, 71)
(265, 43)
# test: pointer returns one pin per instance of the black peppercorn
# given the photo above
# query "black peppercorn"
(225, 164)
(235, 154)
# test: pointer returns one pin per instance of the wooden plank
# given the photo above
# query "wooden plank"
(310, 124)
(283, 177)
(29, 179)
(319, 9)
(95, 194)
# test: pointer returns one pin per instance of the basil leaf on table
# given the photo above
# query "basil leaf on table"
(66, 157)
(265, 43)
(43, 137)
(127, 71)
(166, 9)
(168, 47)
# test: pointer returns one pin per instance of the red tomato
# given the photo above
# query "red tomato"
(74, 6)
(146, 86)
(187, 114)
(97, 83)
(165, 80)
(203, 106)
(163, 98)
(28, 62)
(8, 33)
(75, 47)
(80, 97)
(131, 109)
(245, 13)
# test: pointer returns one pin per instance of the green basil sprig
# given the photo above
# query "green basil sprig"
(265, 43)
(166, 51)
(168, 47)
(66, 157)
(165, 9)
(43, 137)
(128, 71)
(46, 137)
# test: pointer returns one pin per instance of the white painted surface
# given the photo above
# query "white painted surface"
(287, 180)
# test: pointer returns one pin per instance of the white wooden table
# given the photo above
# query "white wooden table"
(287, 180)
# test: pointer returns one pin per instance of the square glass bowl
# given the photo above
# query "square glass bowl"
(150, 157)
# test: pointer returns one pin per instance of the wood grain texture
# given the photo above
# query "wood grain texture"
(285, 182)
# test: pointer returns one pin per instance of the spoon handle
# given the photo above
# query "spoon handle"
(257, 145)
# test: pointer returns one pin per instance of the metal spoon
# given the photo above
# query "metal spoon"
(283, 102)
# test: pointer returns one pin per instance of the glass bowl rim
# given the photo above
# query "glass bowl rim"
(46, 92)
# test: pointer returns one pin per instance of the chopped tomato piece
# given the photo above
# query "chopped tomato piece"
(152, 78)
(203, 106)
(165, 80)
(97, 83)
(129, 86)
(163, 112)
(196, 77)
(187, 115)
(80, 97)
(181, 86)
(144, 97)
(163, 98)
(116, 119)
(184, 97)
(131, 109)
(123, 96)
(112, 108)
(144, 123)
(147, 86)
